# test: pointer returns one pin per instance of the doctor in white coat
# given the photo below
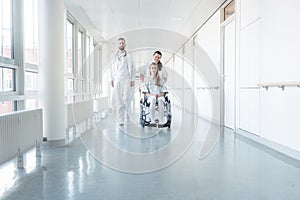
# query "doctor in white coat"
(122, 80)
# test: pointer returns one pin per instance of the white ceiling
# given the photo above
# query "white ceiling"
(147, 25)
(105, 19)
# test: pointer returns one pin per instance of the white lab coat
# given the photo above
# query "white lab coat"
(122, 73)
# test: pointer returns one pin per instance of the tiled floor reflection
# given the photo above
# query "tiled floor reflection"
(236, 168)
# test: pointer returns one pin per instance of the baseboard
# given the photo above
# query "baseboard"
(292, 153)
(53, 143)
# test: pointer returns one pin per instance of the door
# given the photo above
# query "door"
(229, 74)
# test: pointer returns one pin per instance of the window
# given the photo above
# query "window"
(87, 63)
(80, 52)
(7, 79)
(30, 31)
(80, 69)
(13, 13)
(70, 53)
(31, 103)
(31, 81)
(70, 84)
(228, 11)
(7, 82)
(6, 107)
(98, 70)
(6, 28)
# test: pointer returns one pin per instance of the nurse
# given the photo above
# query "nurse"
(144, 70)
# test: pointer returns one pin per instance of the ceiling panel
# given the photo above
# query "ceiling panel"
(109, 18)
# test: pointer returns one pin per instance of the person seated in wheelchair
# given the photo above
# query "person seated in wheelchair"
(154, 92)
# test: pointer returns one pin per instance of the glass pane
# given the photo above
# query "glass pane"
(31, 103)
(87, 63)
(30, 31)
(31, 81)
(7, 80)
(88, 50)
(1, 79)
(229, 10)
(6, 107)
(79, 50)
(6, 28)
(70, 84)
(69, 47)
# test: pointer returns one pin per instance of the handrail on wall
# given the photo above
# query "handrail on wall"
(281, 85)
(208, 88)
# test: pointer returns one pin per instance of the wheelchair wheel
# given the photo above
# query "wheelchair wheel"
(142, 119)
(143, 123)
(169, 120)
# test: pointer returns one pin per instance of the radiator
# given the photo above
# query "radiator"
(101, 104)
(19, 132)
(78, 112)
(83, 110)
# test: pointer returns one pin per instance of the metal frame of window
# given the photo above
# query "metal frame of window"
(18, 96)
(80, 75)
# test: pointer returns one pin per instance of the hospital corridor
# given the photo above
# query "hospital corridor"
(149, 100)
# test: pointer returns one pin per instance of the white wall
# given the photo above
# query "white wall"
(269, 52)
(249, 66)
(208, 38)
(280, 62)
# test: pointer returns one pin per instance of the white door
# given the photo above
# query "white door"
(229, 74)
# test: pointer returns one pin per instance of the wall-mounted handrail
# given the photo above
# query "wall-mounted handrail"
(208, 88)
(249, 87)
(281, 85)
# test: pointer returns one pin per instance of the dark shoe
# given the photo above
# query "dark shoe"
(163, 125)
(152, 125)
(121, 124)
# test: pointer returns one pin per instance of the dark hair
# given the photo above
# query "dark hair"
(159, 64)
(157, 52)
(122, 39)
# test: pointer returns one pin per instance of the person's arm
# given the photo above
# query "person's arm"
(112, 71)
(131, 83)
(112, 83)
(163, 89)
(164, 74)
(142, 78)
(156, 95)
(131, 70)
(143, 71)
(160, 95)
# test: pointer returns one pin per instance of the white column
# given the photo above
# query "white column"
(51, 68)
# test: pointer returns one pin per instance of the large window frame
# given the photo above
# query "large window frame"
(98, 76)
(31, 32)
(31, 51)
(6, 29)
(85, 64)
(8, 66)
(15, 98)
(23, 92)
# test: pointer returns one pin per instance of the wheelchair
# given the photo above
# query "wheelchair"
(145, 111)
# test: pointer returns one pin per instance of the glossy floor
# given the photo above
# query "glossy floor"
(120, 163)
